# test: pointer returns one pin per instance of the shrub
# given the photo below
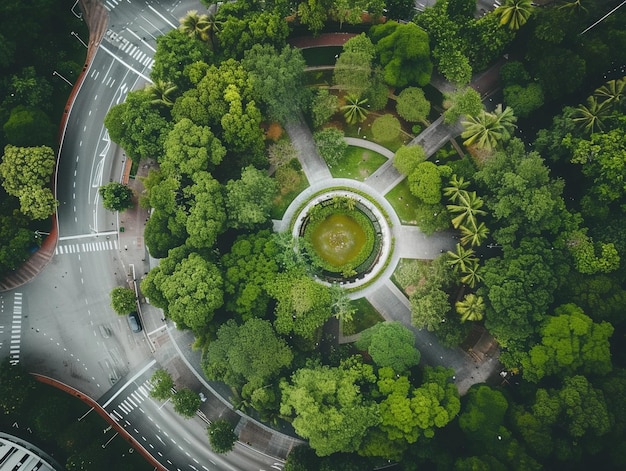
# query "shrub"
(386, 128)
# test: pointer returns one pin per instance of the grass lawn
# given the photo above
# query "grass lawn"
(287, 193)
(358, 164)
(403, 202)
(366, 316)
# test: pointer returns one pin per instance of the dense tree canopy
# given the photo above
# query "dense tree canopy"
(390, 344)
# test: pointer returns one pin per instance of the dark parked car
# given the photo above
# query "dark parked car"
(134, 322)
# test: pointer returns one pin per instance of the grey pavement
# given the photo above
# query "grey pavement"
(312, 163)
(436, 135)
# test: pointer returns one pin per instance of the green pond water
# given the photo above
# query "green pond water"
(338, 239)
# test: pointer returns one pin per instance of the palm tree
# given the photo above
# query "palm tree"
(161, 92)
(575, 6)
(471, 275)
(195, 25)
(456, 184)
(474, 234)
(471, 308)
(486, 129)
(612, 92)
(354, 110)
(468, 208)
(461, 259)
(590, 117)
(213, 28)
(514, 13)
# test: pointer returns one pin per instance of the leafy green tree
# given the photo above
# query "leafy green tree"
(602, 159)
(355, 109)
(123, 300)
(207, 211)
(162, 385)
(189, 289)
(323, 106)
(590, 257)
(353, 72)
(400, 9)
(524, 99)
(186, 403)
(222, 437)
(591, 117)
(428, 310)
(16, 238)
(464, 102)
(560, 71)
(514, 13)
(301, 458)
(29, 127)
(520, 194)
(249, 199)
(26, 173)
(250, 353)
(162, 93)
(175, 53)
(249, 267)
(313, 14)
(328, 407)
(116, 197)
(470, 308)
(454, 66)
(570, 342)
(482, 419)
(15, 387)
(519, 287)
(331, 145)
(386, 128)
(281, 153)
(240, 32)
(407, 158)
(412, 105)
(137, 126)
(404, 53)
(277, 77)
(390, 344)
(303, 305)
(425, 181)
(191, 148)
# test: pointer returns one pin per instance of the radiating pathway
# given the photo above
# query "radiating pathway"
(409, 241)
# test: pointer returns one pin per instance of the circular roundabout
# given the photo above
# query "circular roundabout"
(346, 236)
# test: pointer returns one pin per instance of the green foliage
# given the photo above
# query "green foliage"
(470, 308)
(323, 107)
(15, 237)
(519, 288)
(251, 353)
(277, 80)
(137, 126)
(355, 109)
(524, 100)
(303, 305)
(29, 127)
(514, 13)
(353, 72)
(328, 407)
(190, 148)
(390, 344)
(15, 387)
(116, 197)
(300, 458)
(404, 53)
(331, 145)
(207, 211)
(412, 105)
(248, 268)
(186, 403)
(570, 342)
(162, 384)
(123, 300)
(488, 130)
(222, 437)
(428, 310)
(407, 158)
(26, 173)
(560, 71)
(464, 102)
(425, 181)
(386, 128)
(590, 257)
(483, 416)
(521, 195)
(188, 288)
(249, 199)
(313, 14)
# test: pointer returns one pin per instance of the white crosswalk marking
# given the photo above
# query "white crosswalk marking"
(16, 330)
(86, 247)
